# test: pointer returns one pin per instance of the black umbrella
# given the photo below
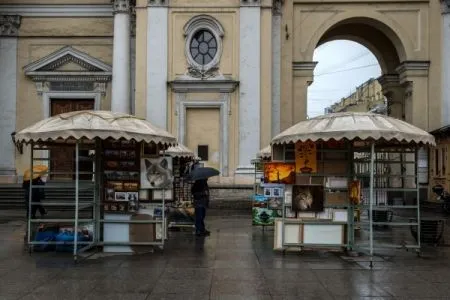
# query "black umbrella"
(202, 173)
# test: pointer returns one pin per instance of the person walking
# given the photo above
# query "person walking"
(38, 193)
(200, 193)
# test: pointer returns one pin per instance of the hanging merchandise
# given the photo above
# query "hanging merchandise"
(305, 157)
(355, 192)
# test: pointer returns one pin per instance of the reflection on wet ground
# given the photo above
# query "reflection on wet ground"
(235, 262)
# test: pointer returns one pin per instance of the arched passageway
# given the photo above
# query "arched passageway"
(403, 49)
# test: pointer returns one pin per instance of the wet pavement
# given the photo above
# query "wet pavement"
(235, 262)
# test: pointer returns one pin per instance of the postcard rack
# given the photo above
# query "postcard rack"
(121, 215)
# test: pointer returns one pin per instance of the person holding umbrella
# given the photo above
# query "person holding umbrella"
(38, 194)
(200, 193)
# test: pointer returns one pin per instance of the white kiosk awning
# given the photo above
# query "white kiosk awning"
(89, 124)
(354, 125)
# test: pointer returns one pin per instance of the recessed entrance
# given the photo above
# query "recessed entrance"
(62, 160)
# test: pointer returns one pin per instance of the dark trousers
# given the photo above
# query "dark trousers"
(200, 213)
(34, 208)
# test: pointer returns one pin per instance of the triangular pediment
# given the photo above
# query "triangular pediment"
(67, 59)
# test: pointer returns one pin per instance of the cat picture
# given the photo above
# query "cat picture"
(156, 173)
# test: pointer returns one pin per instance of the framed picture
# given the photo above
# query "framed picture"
(144, 195)
(150, 149)
(277, 192)
(116, 185)
(268, 192)
(275, 203)
(113, 207)
(112, 153)
(132, 196)
(156, 173)
(112, 164)
(158, 194)
(275, 172)
(109, 194)
(120, 196)
(133, 206)
(308, 198)
(130, 186)
(122, 207)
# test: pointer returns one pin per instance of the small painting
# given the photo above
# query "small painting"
(308, 198)
(109, 194)
(133, 206)
(156, 173)
(305, 157)
(132, 196)
(120, 196)
(279, 173)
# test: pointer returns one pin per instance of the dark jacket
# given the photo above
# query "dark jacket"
(200, 193)
(38, 193)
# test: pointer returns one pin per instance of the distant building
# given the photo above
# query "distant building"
(367, 97)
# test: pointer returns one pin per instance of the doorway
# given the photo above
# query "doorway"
(62, 160)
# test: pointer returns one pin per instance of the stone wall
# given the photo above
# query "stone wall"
(231, 197)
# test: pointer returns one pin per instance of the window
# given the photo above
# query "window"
(202, 151)
(203, 47)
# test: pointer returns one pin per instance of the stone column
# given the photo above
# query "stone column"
(9, 27)
(276, 67)
(445, 67)
(133, 62)
(415, 75)
(303, 76)
(394, 93)
(157, 60)
(250, 84)
(121, 78)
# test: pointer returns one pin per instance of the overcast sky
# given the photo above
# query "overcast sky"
(342, 66)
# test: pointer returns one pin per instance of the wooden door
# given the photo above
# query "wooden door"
(63, 159)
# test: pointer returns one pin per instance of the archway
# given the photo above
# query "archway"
(404, 77)
(345, 81)
(385, 45)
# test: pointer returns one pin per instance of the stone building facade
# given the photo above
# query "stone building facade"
(366, 97)
(223, 76)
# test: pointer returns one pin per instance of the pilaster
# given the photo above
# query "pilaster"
(9, 29)
(414, 76)
(276, 66)
(121, 78)
(445, 68)
(250, 84)
(157, 60)
(303, 76)
(394, 93)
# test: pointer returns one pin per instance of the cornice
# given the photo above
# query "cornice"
(181, 85)
(69, 10)
(413, 66)
(304, 65)
(70, 76)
